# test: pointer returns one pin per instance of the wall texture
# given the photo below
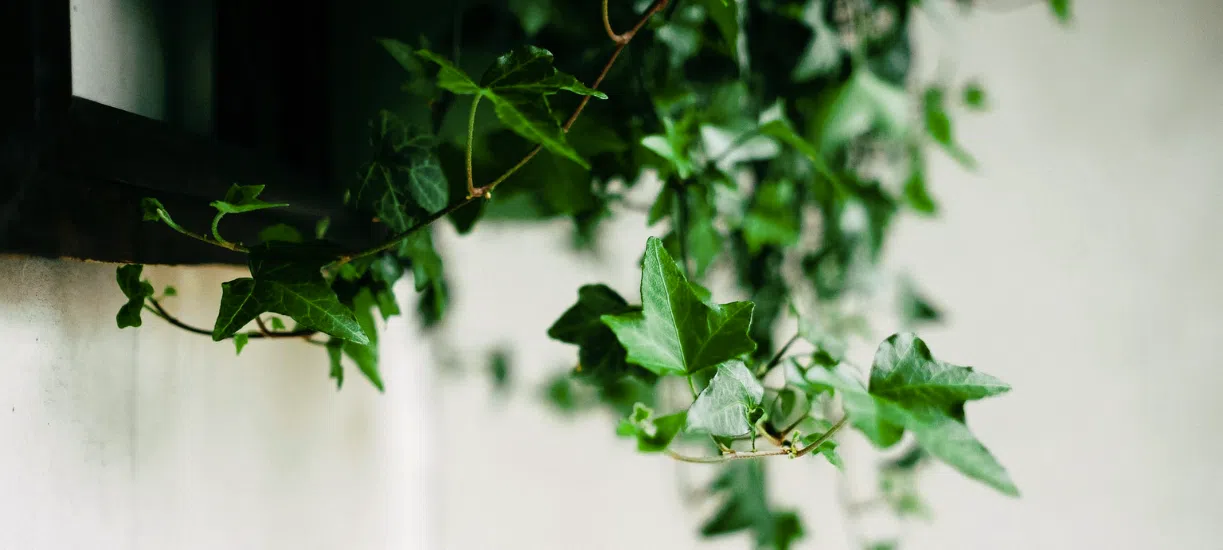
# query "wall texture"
(1079, 263)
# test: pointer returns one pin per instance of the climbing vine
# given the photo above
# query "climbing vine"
(782, 137)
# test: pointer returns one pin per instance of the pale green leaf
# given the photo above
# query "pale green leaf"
(676, 333)
(723, 407)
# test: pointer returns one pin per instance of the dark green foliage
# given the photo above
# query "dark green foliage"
(136, 290)
(764, 122)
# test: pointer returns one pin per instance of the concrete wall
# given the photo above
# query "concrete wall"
(1080, 264)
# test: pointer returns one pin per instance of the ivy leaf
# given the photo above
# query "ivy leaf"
(240, 340)
(287, 280)
(365, 355)
(420, 84)
(904, 371)
(151, 210)
(723, 408)
(600, 354)
(745, 506)
(787, 407)
(672, 145)
(405, 178)
(726, 16)
(281, 232)
(864, 104)
(244, 198)
(675, 333)
(773, 217)
(335, 353)
(136, 290)
(1061, 9)
(938, 125)
(813, 429)
(169, 291)
(653, 434)
(909, 390)
(533, 15)
(824, 51)
(277, 324)
(518, 85)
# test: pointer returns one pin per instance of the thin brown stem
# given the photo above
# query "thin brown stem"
(727, 457)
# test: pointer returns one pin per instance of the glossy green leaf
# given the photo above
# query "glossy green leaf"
(240, 341)
(676, 333)
(518, 85)
(136, 290)
(723, 408)
(285, 280)
(405, 179)
(244, 198)
(812, 429)
(909, 390)
(600, 354)
(653, 434)
(335, 354)
(277, 324)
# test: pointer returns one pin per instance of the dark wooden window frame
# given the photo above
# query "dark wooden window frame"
(73, 171)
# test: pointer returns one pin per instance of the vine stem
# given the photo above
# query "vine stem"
(471, 137)
(727, 457)
(165, 217)
(160, 311)
(485, 191)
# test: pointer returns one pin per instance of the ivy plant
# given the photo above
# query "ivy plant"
(782, 138)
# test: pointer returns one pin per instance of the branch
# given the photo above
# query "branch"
(727, 457)
(485, 191)
(161, 312)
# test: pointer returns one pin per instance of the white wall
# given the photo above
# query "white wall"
(1080, 264)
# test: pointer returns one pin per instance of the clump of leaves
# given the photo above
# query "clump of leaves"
(764, 125)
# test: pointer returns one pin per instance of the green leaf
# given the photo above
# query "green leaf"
(745, 506)
(286, 280)
(244, 198)
(938, 125)
(653, 434)
(864, 104)
(499, 369)
(533, 15)
(823, 53)
(281, 232)
(600, 354)
(726, 16)
(814, 429)
(335, 353)
(420, 83)
(676, 333)
(277, 324)
(974, 96)
(405, 179)
(773, 217)
(169, 291)
(1061, 9)
(518, 85)
(240, 341)
(724, 406)
(909, 390)
(673, 145)
(136, 290)
(450, 78)
(151, 210)
(365, 355)
(662, 205)
(786, 407)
